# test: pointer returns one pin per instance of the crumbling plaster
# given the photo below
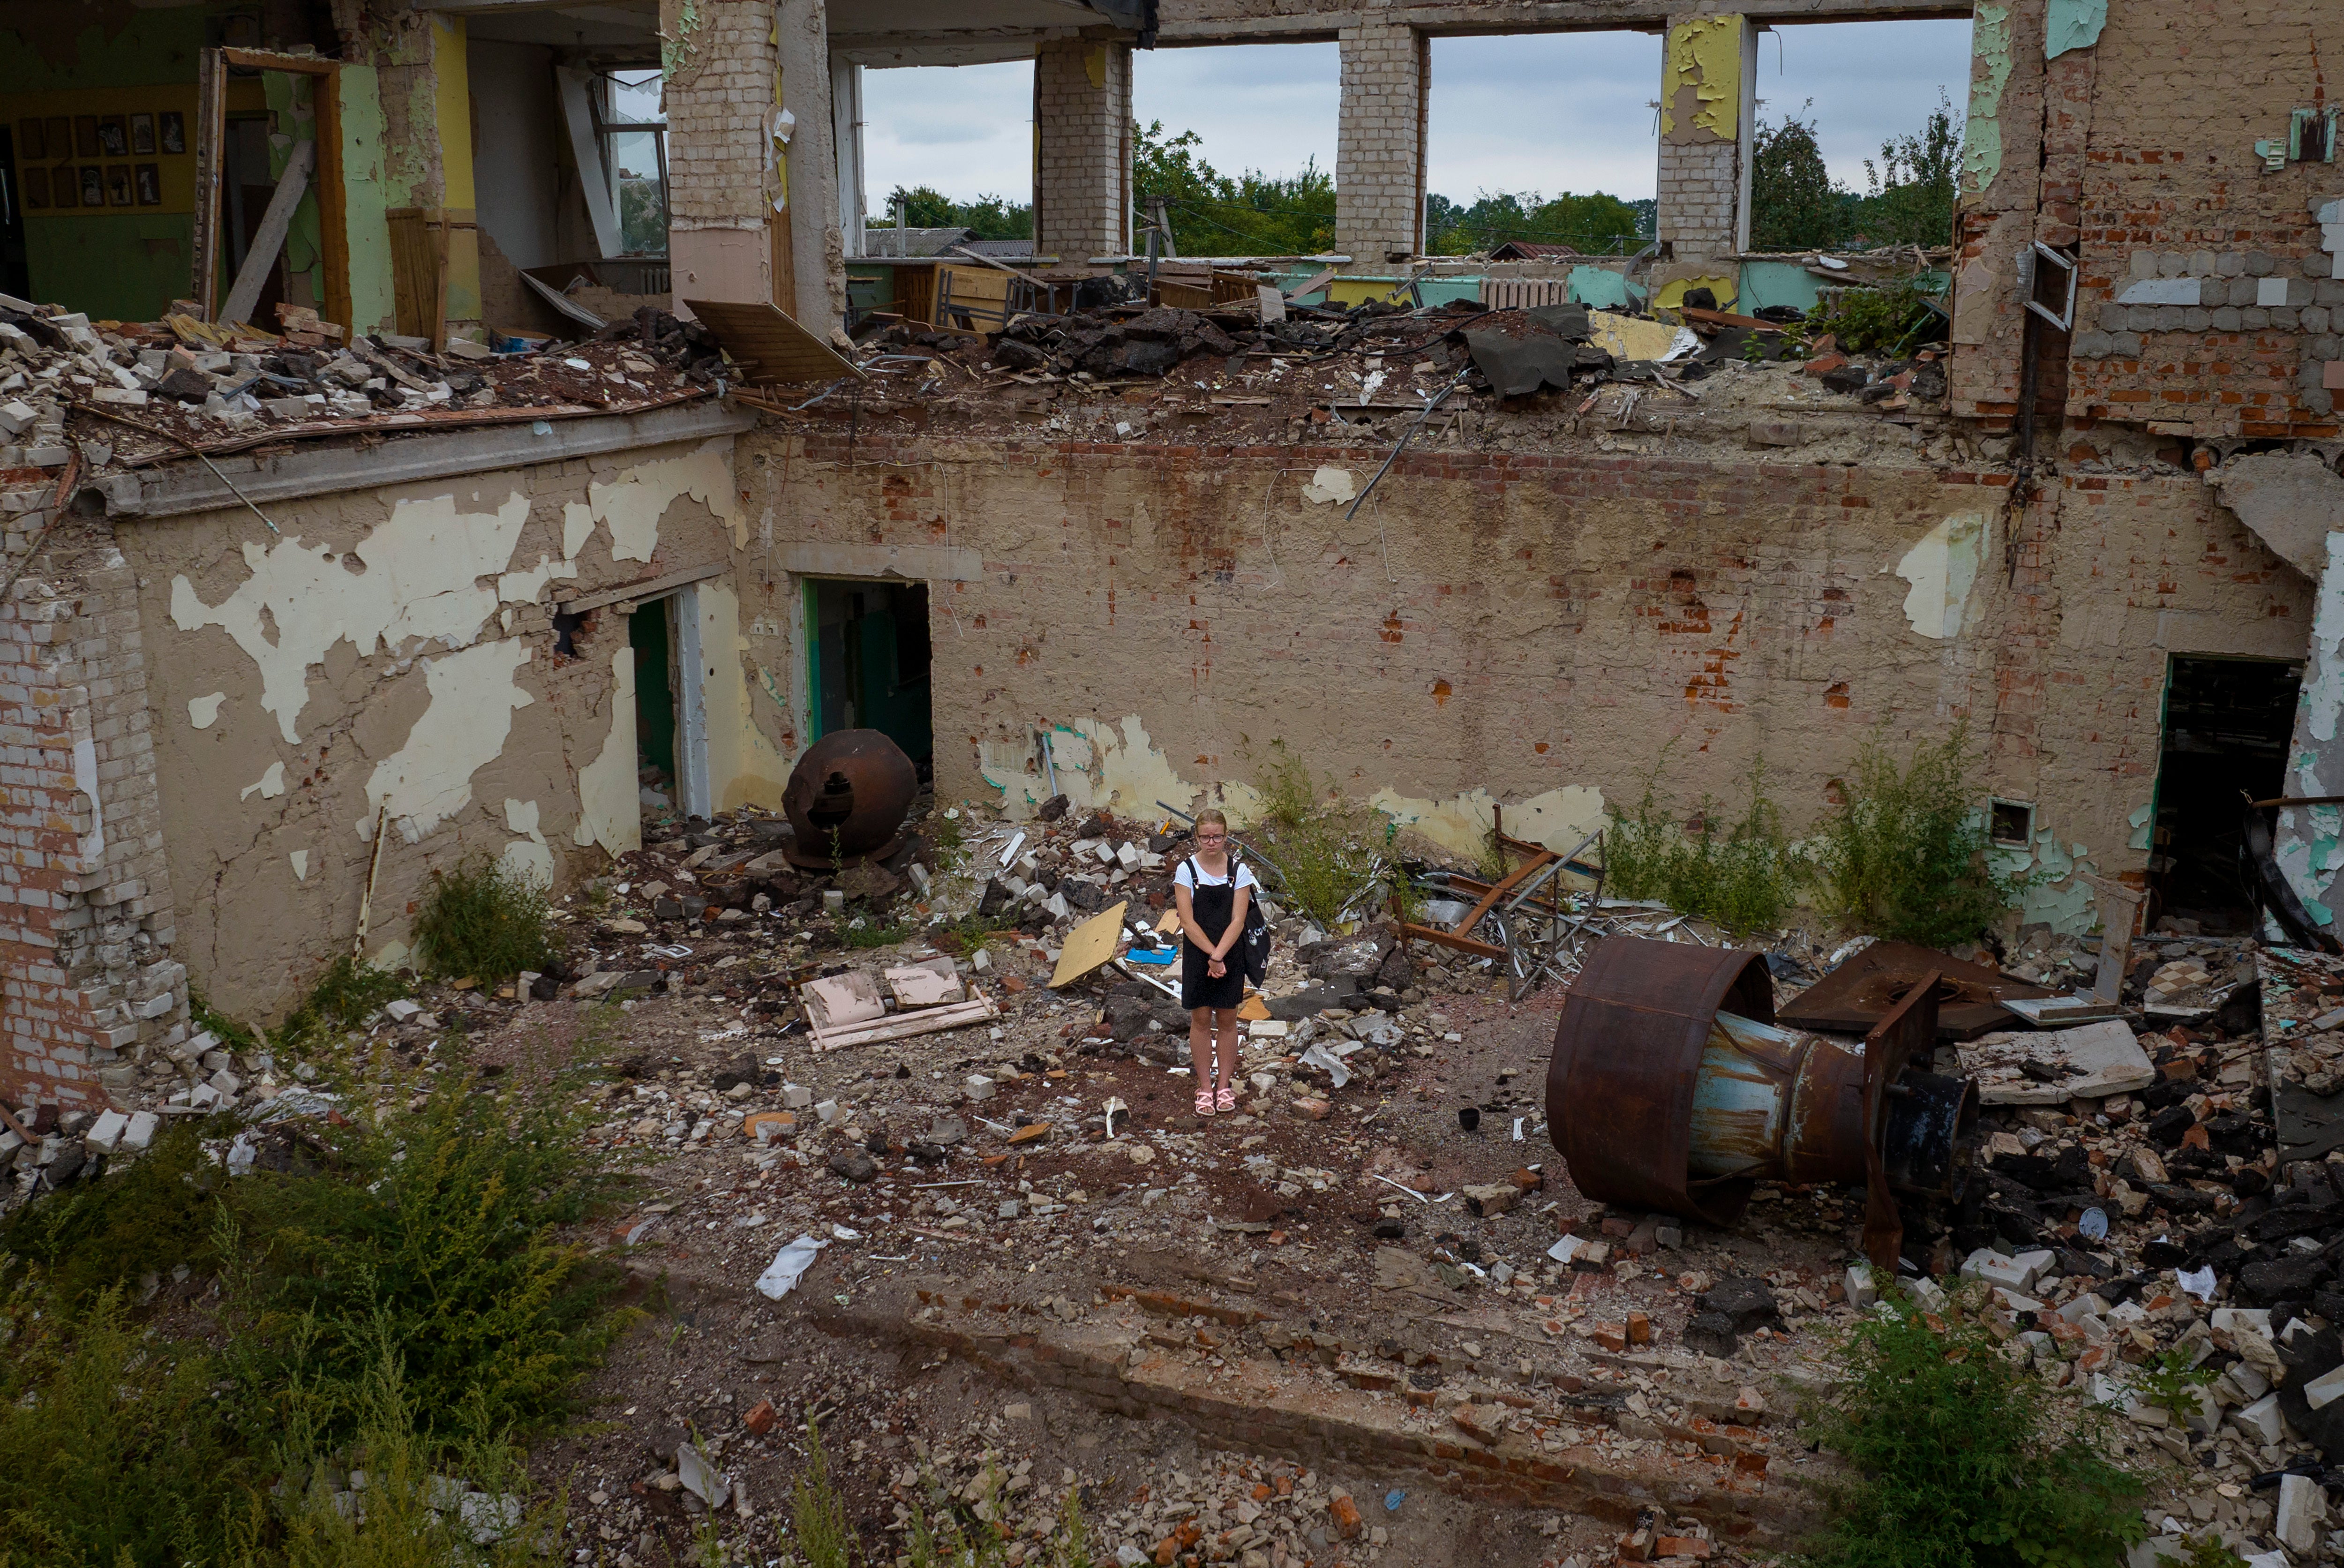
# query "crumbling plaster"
(1545, 633)
(391, 657)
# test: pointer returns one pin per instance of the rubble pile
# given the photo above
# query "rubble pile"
(124, 394)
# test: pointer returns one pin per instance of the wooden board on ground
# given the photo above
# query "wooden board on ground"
(1088, 946)
(773, 349)
(978, 1009)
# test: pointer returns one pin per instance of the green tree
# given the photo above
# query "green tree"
(1594, 224)
(1910, 198)
(1792, 202)
(986, 218)
(1249, 214)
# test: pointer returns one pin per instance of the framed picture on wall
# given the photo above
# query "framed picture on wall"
(32, 141)
(142, 133)
(112, 136)
(92, 186)
(118, 185)
(174, 131)
(85, 140)
(147, 179)
(36, 189)
(64, 187)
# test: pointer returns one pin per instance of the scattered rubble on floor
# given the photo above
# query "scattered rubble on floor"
(126, 394)
(1382, 1237)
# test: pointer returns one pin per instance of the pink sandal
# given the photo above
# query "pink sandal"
(1227, 1099)
(1205, 1101)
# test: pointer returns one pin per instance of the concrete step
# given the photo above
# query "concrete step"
(1239, 1379)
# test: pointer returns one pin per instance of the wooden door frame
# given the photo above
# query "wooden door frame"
(333, 218)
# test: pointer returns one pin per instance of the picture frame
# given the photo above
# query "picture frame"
(64, 187)
(142, 135)
(93, 185)
(58, 131)
(85, 136)
(174, 130)
(36, 189)
(32, 140)
(112, 136)
(146, 183)
(118, 191)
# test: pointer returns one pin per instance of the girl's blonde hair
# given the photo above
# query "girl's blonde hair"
(1213, 815)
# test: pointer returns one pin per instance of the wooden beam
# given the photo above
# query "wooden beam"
(270, 239)
(210, 150)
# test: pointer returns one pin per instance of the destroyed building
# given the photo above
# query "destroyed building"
(439, 429)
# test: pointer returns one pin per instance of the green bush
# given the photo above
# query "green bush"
(1322, 851)
(1891, 319)
(1741, 878)
(1959, 1458)
(113, 1449)
(484, 921)
(344, 997)
(1906, 856)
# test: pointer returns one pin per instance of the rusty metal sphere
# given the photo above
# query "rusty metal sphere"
(846, 798)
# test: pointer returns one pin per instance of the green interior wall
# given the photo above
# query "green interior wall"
(127, 265)
(374, 302)
(870, 658)
(647, 634)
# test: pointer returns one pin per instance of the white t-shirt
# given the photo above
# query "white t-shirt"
(1190, 871)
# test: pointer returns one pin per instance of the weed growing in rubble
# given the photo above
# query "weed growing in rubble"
(1958, 1457)
(343, 998)
(1741, 877)
(870, 935)
(817, 1513)
(1322, 850)
(1906, 857)
(484, 920)
(112, 1448)
(1891, 319)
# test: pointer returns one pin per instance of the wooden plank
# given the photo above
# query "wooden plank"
(271, 238)
(211, 138)
(333, 206)
(1313, 285)
(649, 588)
(414, 269)
(775, 350)
(1089, 944)
(561, 302)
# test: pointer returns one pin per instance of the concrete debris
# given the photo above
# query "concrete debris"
(129, 394)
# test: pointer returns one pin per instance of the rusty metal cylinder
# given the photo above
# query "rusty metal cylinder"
(1776, 1104)
(846, 798)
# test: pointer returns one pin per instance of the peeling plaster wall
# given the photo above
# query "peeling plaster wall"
(391, 656)
(1523, 631)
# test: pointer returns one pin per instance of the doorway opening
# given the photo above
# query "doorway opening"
(869, 648)
(671, 716)
(2227, 724)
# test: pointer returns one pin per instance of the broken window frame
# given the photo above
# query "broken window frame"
(2030, 261)
(1998, 804)
(600, 106)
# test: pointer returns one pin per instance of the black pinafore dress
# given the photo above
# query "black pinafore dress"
(1212, 904)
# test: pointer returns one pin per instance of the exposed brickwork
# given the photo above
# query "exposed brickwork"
(1082, 105)
(1379, 144)
(86, 908)
(2138, 152)
(1522, 622)
(718, 152)
(1699, 185)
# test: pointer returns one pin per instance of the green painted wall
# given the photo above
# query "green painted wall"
(154, 48)
(374, 301)
(119, 266)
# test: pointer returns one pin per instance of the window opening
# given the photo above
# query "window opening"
(631, 129)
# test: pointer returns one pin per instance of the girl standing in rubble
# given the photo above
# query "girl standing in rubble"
(1213, 890)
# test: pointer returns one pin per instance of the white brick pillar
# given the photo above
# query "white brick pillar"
(719, 66)
(1380, 144)
(1707, 78)
(1082, 150)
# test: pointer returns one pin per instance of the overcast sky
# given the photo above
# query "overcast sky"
(1548, 112)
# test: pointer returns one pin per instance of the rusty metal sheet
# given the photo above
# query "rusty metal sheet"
(1908, 1033)
(1620, 1087)
(1860, 993)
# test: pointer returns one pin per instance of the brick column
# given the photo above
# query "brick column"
(722, 91)
(1380, 144)
(817, 249)
(87, 984)
(1705, 85)
(1082, 176)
